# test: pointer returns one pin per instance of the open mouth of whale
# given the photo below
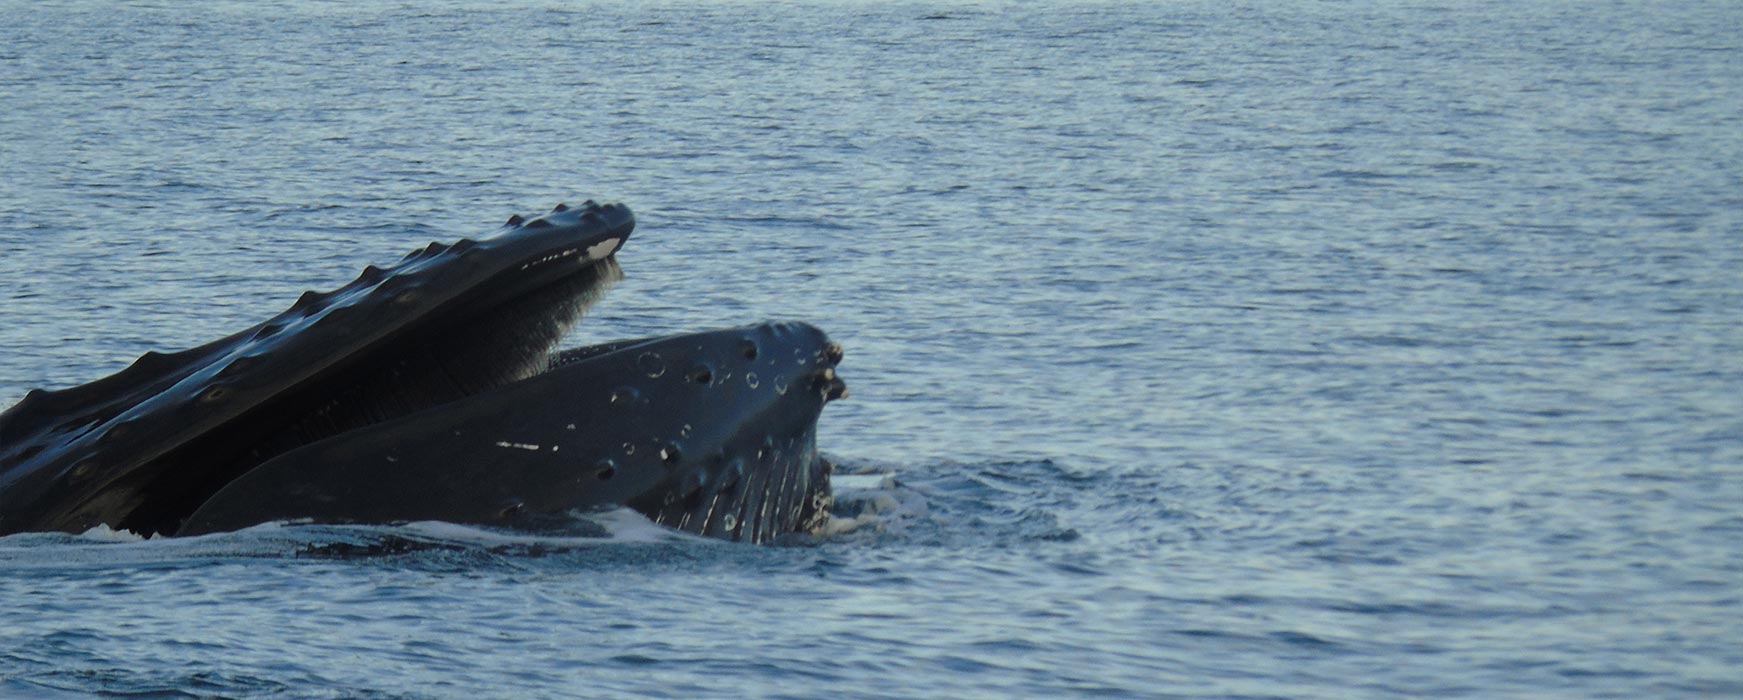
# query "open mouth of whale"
(433, 389)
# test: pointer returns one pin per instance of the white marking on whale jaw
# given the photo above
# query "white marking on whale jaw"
(599, 250)
(570, 252)
(518, 445)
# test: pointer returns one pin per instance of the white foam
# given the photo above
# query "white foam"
(627, 525)
(103, 533)
(881, 482)
(873, 502)
(622, 525)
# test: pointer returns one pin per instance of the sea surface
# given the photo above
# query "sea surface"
(1338, 349)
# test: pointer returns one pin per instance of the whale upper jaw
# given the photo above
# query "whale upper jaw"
(392, 398)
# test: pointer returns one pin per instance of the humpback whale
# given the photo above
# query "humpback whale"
(432, 389)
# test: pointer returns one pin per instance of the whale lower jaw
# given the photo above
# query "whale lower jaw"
(686, 429)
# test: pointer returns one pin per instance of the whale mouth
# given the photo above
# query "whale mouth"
(392, 398)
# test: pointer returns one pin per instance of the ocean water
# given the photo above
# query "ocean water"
(1198, 349)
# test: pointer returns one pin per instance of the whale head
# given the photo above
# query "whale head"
(432, 389)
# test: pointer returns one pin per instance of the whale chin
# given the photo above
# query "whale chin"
(433, 389)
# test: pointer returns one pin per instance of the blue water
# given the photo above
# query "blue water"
(1198, 349)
